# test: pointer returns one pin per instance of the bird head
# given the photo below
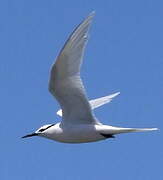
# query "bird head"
(40, 131)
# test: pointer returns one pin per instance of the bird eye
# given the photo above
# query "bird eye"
(41, 130)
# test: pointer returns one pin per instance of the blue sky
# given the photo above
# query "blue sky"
(124, 54)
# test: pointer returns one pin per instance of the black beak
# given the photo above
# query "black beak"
(30, 135)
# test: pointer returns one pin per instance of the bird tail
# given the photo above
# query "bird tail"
(118, 130)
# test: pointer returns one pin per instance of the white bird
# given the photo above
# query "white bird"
(79, 124)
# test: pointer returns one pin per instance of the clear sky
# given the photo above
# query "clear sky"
(124, 53)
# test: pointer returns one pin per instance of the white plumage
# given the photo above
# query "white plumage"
(95, 103)
(79, 123)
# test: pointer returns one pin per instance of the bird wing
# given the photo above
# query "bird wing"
(65, 83)
(95, 103)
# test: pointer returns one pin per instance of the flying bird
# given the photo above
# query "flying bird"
(79, 123)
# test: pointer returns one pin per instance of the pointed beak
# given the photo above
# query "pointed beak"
(30, 135)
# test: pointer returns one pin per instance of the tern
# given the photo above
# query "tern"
(79, 123)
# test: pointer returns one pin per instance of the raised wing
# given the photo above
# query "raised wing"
(65, 83)
(95, 103)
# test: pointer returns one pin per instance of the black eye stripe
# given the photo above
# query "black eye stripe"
(41, 130)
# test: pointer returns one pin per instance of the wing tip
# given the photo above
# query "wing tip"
(90, 16)
(118, 93)
(114, 95)
(92, 13)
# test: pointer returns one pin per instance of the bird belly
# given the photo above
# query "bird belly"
(75, 134)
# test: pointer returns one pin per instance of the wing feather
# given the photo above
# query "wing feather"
(95, 103)
(65, 83)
